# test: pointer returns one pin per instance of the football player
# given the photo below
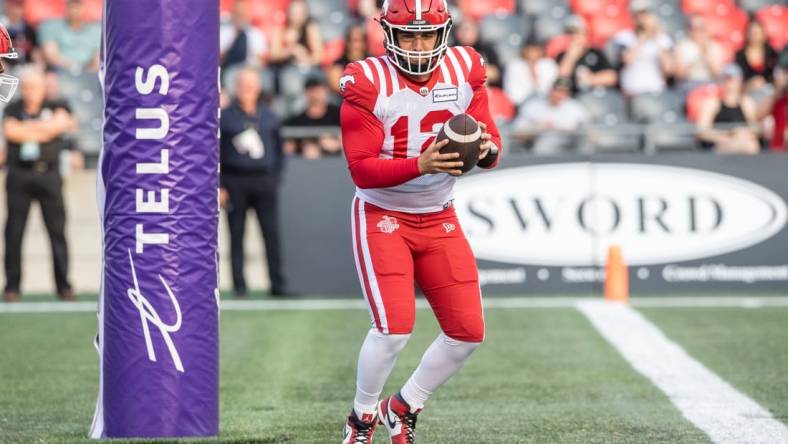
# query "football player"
(8, 83)
(404, 227)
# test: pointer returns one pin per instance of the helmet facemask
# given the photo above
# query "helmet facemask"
(416, 62)
(8, 83)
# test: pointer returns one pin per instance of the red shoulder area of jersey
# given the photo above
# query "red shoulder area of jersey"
(463, 64)
(357, 88)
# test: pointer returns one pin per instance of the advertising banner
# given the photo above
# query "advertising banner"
(685, 222)
(157, 192)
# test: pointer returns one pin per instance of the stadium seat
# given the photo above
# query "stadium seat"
(774, 19)
(37, 11)
(590, 8)
(657, 108)
(601, 27)
(557, 45)
(672, 19)
(621, 137)
(539, 7)
(697, 98)
(94, 9)
(704, 7)
(674, 136)
(321, 9)
(551, 23)
(606, 107)
(752, 6)
(502, 28)
(332, 51)
(476, 9)
(333, 25)
(727, 23)
(500, 105)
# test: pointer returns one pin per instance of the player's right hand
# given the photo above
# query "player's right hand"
(432, 161)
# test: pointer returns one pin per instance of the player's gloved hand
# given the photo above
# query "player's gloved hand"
(484, 148)
(432, 161)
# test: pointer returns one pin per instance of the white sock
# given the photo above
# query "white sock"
(375, 362)
(441, 360)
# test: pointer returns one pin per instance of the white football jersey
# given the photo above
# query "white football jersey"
(412, 115)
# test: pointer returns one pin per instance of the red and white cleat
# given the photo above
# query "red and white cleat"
(359, 431)
(394, 413)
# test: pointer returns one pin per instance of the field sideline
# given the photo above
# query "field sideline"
(544, 375)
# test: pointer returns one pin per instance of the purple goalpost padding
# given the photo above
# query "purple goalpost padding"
(158, 314)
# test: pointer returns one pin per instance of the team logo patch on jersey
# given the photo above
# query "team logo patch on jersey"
(388, 225)
(424, 91)
(445, 95)
(448, 227)
(344, 80)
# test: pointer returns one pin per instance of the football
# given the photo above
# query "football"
(465, 137)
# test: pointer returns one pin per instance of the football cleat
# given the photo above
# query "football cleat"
(359, 431)
(394, 413)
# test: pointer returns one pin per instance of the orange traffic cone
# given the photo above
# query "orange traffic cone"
(616, 277)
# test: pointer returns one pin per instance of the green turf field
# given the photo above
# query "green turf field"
(544, 375)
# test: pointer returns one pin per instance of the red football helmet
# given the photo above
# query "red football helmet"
(415, 16)
(8, 83)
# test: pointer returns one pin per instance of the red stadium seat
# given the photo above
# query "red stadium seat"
(476, 9)
(557, 45)
(704, 7)
(93, 10)
(37, 11)
(375, 38)
(596, 7)
(728, 24)
(500, 105)
(697, 98)
(774, 19)
(602, 27)
(332, 51)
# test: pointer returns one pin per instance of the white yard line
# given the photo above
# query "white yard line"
(725, 414)
(359, 304)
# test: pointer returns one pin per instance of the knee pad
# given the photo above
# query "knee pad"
(460, 350)
(467, 329)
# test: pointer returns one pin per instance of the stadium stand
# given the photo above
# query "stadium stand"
(505, 26)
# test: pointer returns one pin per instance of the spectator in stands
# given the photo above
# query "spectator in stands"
(586, 67)
(757, 58)
(551, 122)
(355, 49)
(319, 113)
(251, 163)
(532, 74)
(467, 34)
(646, 56)
(23, 36)
(369, 11)
(240, 43)
(727, 124)
(71, 44)
(34, 128)
(299, 41)
(699, 59)
(776, 107)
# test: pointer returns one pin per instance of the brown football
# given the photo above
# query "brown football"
(465, 137)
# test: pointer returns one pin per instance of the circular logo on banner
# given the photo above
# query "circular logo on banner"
(570, 214)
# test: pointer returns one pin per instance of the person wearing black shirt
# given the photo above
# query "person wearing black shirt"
(316, 118)
(251, 165)
(586, 67)
(35, 128)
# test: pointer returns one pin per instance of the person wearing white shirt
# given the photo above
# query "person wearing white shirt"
(646, 55)
(530, 75)
(699, 59)
(552, 122)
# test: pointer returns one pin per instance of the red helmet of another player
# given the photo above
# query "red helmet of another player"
(415, 16)
(8, 83)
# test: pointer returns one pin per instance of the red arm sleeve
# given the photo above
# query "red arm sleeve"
(479, 108)
(362, 137)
